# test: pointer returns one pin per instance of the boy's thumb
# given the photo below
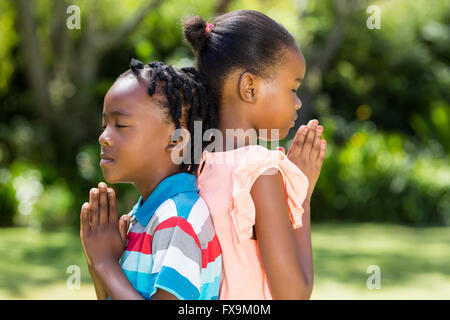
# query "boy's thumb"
(124, 223)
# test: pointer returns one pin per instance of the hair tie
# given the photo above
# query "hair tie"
(136, 64)
(208, 27)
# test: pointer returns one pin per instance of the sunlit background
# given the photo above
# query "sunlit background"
(382, 95)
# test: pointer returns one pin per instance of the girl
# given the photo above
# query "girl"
(172, 251)
(254, 68)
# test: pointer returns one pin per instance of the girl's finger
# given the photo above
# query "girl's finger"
(103, 203)
(93, 207)
(315, 150)
(297, 143)
(112, 202)
(323, 149)
(312, 125)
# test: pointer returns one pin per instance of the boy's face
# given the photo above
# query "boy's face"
(278, 102)
(136, 133)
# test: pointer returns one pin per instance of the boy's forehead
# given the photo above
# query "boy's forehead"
(125, 97)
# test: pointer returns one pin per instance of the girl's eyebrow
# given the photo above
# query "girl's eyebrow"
(299, 80)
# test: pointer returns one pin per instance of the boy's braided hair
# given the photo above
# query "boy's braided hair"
(186, 97)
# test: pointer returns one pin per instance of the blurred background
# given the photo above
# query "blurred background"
(377, 79)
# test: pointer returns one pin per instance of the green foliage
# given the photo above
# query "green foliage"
(375, 176)
(382, 97)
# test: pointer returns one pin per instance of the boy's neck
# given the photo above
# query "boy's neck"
(148, 184)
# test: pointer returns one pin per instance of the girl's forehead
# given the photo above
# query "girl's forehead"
(294, 63)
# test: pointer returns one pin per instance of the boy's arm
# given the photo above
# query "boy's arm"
(99, 289)
(117, 284)
(288, 269)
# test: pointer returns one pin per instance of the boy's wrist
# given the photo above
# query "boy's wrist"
(103, 266)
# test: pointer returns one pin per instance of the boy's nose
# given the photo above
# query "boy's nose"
(104, 139)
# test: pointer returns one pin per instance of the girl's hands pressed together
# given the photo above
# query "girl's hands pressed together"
(102, 236)
(307, 151)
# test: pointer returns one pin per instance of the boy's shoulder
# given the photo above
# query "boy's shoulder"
(186, 208)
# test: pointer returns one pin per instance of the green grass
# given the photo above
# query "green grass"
(414, 263)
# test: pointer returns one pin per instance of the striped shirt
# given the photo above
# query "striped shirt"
(172, 244)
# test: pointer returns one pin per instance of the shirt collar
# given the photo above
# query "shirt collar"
(166, 189)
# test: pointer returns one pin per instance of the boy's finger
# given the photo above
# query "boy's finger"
(103, 203)
(112, 202)
(84, 218)
(124, 224)
(93, 207)
(315, 150)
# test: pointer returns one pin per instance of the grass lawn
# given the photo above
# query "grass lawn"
(414, 263)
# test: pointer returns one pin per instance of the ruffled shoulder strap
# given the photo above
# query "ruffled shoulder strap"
(257, 161)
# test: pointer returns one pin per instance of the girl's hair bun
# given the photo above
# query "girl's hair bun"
(196, 32)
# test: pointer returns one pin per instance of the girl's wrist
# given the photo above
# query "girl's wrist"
(307, 199)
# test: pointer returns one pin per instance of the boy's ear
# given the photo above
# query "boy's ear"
(247, 87)
(178, 140)
(172, 143)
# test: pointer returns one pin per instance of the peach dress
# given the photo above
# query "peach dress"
(225, 181)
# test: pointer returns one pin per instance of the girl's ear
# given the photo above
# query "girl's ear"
(247, 87)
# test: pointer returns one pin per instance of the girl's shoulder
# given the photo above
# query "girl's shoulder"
(259, 161)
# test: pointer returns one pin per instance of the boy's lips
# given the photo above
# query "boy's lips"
(105, 159)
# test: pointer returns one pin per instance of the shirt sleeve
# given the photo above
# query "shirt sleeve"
(177, 258)
(257, 161)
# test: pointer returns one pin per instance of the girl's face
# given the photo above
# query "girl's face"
(277, 101)
(135, 133)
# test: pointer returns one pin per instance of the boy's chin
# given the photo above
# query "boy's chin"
(110, 178)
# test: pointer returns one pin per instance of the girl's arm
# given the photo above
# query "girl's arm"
(303, 238)
(288, 267)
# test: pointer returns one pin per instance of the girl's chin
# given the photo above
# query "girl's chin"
(276, 137)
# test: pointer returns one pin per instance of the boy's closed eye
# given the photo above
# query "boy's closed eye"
(117, 126)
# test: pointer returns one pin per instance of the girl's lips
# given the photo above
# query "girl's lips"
(292, 124)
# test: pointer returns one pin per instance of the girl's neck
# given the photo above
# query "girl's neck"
(230, 118)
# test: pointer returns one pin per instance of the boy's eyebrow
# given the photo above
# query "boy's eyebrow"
(299, 79)
(117, 113)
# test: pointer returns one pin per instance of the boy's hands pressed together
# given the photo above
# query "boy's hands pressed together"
(103, 242)
(307, 151)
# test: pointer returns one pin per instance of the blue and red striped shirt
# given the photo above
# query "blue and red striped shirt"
(172, 244)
